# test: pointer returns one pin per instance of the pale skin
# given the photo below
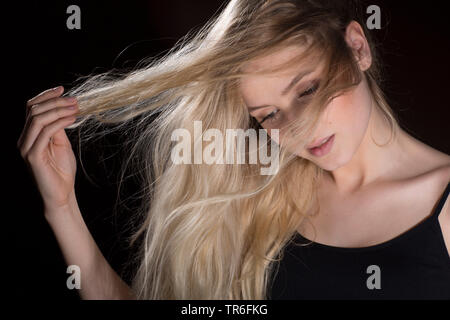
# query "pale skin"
(53, 166)
(368, 194)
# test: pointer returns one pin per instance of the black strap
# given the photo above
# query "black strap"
(442, 201)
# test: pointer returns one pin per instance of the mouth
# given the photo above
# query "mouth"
(322, 147)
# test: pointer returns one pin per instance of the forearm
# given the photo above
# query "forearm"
(98, 279)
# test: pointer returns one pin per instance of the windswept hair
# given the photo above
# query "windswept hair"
(217, 231)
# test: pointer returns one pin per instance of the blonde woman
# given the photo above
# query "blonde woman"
(357, 208)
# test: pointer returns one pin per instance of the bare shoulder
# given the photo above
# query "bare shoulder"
(434, 174)
(443, 174)
(437, 178)
(424, 177)
(439, 168)
(430, 167)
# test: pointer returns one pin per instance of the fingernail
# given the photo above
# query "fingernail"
(72, 99)
(72, 107)
(56, 88)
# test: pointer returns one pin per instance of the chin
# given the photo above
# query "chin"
(325, 165)
(332, 161)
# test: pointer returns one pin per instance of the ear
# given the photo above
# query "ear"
(356, 40)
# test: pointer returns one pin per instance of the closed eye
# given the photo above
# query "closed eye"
(303, 94)
(270, 115)
(309, 91)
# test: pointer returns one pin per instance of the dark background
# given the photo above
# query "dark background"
(44, 54)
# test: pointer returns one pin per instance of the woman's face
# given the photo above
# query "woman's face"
(345, 118)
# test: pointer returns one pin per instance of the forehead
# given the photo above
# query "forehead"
(279, 57)
(258, 88)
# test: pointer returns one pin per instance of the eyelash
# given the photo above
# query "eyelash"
(307, 92)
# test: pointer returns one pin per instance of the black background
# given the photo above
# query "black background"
(44, 53)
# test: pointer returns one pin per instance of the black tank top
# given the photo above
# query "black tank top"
(413, 265)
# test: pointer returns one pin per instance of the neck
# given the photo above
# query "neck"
(372, 162)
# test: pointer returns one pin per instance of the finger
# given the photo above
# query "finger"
(43, 139)
(40, 121)
(49, 104)
(45, 106)
(45, 95)
(34, 104)
(60, 138)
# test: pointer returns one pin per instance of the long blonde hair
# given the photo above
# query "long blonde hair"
(217, 231)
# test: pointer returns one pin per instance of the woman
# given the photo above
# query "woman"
(348, 179)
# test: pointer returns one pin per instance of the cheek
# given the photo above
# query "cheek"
(347, 116)
(352, 112)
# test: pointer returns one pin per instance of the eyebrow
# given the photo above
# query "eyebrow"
(293, 82)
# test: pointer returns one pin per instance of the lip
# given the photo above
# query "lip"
(317, 142)
(324, 149)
